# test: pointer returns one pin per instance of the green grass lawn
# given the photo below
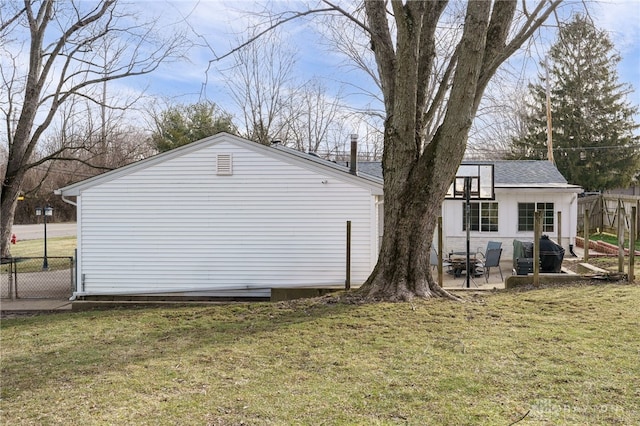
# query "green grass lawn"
(56, 247)
(612, 239)
(557, 355)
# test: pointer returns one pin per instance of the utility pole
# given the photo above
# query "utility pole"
(549, 121)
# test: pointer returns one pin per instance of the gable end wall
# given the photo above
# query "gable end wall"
(178, 226)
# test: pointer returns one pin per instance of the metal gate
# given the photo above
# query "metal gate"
(36, 277)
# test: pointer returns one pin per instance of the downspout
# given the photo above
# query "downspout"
(73, 203)
(66, 200)
(571, 219)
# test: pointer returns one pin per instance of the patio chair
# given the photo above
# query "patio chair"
(433, 259)
(491, 245)
(491, 260)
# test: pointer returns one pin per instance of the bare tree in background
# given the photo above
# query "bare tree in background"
(82, 142)
(261, 85)
(498, 121)
(312, 119)
(276, 106)
(65, 46)
(123, 147)
(97, 136)
(91, 140)
(371, 140)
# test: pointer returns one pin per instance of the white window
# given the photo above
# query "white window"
(526, 216)
(484, 217)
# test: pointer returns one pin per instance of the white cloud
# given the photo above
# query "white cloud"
(621, 19)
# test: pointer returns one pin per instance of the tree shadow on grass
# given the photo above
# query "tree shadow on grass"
(65, 345)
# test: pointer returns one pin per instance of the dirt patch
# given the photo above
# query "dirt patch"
(610, 263)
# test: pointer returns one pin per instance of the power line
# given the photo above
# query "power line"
(594, 148)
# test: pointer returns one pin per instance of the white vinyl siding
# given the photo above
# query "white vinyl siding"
(178, 226)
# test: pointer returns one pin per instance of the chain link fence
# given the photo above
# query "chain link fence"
(36, 277)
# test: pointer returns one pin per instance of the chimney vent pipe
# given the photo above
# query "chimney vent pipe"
(353, 164)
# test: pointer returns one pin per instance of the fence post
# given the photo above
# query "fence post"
(560, 228)
(15, 278)
(71, 271)
(632, 244)
(637, 220)
(347, 282)
(74, 271)
(586, 235)
(603, 212)
(537, 231)
(620, 220)
(440, 252)
(11, 294)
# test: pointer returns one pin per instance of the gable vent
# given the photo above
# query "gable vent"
(224, 165)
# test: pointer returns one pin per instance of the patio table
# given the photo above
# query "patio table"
(458, 262)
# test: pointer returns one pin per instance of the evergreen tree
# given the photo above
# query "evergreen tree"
(182, 124)
(593, 123)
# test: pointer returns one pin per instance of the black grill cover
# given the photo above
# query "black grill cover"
(551, 255)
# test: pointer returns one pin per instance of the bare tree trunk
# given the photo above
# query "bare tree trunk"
(417, 172)
(403, 270)
(8, 204)
(416, 178)
(410, 204)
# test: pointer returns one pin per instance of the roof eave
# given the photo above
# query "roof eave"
(374, 183)
(542, 186)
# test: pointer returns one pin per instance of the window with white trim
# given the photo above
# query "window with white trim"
(484, 217)
(526, 213)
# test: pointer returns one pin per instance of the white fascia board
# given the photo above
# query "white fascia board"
(555, 187)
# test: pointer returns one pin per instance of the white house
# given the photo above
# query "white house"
(228, 217)
(521, 187)
(223, 216)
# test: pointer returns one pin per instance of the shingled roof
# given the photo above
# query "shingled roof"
(507, 172)
(521, 172)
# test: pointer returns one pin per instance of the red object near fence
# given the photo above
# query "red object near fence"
(14, 239)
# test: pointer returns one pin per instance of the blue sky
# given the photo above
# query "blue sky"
(621, 19)
(220, 24)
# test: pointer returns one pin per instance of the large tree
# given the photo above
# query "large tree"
(432, 78)
(71, 48)
(419, 164)
(592, 121)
